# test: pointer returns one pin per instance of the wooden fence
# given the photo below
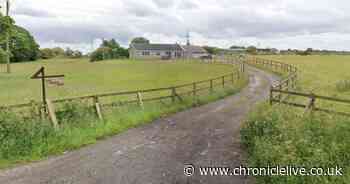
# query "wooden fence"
(138, 97)
(285, 88)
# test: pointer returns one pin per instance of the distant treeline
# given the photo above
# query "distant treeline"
(273, 51)
(48, 53)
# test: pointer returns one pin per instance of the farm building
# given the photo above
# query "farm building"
(166, 51)
(196, 52)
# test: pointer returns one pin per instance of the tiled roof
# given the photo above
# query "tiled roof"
(194, 49)
(157, 47)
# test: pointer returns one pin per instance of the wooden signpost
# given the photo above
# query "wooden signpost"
(47, 104)
(40, 74)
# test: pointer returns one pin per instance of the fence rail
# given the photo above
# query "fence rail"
(172, 93)
(285, 88)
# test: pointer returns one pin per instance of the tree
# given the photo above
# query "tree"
(77, 54)
(6, 30)
(6, 27)
(23, 46)
(68, 52)
(110, 44)
(252, 50)
(109, 49)
(46, 53)
(3, 56)
(212, 50)
(236, 47)
(309, 51)
(140, 40)
(100, 54)
(58, 51)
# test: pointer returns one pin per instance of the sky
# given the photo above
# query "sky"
(282, 24)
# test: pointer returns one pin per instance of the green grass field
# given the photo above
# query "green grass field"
(85, 78)
(282, 136)
(320, 74)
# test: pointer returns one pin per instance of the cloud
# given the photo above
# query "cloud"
(164, 3)
(140, 8)
(31, 12)
(273, 23)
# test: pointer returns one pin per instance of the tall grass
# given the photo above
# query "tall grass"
(23, 140)
(279, 136)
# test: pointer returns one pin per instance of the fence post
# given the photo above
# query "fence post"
(97, 107)
(223, 81)
(271, 95)
(173, 94)
(232, 78)
(310, 107)
(194, 89)
(280, 94)
(211, 86)
(52, 114)
(139, 99)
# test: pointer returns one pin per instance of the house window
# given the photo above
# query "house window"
(168, 53)
(145, 53)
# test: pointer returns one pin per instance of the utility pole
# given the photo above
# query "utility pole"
(8, 40)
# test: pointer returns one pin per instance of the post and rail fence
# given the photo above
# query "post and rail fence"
(286, 88)
(279, 92)
(138, 97)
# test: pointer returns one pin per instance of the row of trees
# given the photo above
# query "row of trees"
(48, 53)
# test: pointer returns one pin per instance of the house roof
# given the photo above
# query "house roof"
(194, 49)
(157, 47)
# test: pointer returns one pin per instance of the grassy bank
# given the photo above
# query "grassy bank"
(282, 136)
(279, 136)
(24, 140)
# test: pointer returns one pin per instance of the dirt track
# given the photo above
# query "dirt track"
(156, 153)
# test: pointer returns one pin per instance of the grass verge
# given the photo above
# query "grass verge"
(278, 136)
(26, 140)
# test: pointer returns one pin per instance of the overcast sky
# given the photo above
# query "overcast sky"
(266, 23)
